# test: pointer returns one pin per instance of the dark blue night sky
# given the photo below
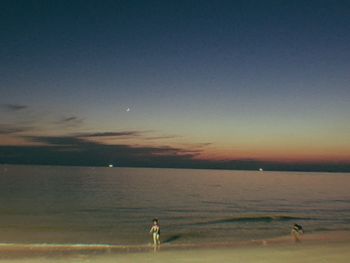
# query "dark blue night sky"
(202, 84)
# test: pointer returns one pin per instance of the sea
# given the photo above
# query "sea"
(116, 206)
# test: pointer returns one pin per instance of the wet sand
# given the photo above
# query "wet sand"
(326, 247)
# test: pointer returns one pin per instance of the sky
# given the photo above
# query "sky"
(184, 84)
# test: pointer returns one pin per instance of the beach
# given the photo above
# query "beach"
(288, 254)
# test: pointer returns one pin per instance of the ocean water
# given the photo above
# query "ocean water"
(76, 205)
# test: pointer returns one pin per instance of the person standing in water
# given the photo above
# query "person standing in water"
(155, 231)
(297, 232)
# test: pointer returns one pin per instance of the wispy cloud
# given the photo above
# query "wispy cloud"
(14, 107)
(81, 143)
(111, 134)
(163, 137)
(10, 129)
(66, 141)
(201, 145)
(70, 121)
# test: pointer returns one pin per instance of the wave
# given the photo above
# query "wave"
(255, 219)
(69, 248)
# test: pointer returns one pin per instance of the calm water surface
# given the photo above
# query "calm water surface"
(40, 204)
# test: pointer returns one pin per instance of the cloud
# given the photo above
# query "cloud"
(14, 107)
(201, 145)
(71, 150)
(111, 134)
(70, 121)
(82, 144)
(161, 137)
(9, 129)
(58, 140)
(79, 150)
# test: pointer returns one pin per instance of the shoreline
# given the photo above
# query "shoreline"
(18, 250)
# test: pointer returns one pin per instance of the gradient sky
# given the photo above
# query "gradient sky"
(222, 84)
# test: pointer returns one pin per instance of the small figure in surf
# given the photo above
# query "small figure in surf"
(155, 231)
(297, 232)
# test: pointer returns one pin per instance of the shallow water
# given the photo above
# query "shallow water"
(41, 204)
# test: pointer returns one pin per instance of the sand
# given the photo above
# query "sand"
(314, 248)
